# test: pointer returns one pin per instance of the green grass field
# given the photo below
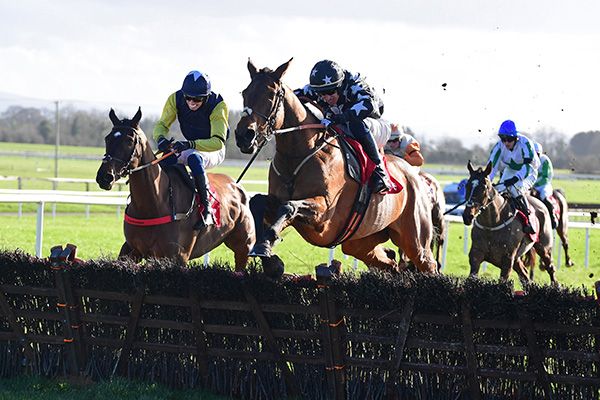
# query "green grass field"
(102, 233)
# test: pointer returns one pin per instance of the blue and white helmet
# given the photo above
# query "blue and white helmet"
(196, 84)
(507, 128)
(537, 146)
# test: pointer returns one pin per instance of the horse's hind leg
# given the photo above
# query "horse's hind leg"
(370, 251)
(545, 254)
(561, 230)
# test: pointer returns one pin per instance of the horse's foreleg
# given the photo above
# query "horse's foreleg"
(562, 234)
(283, 217)
(370, 251)
(522, 272)
(129, 252)
(475, 260)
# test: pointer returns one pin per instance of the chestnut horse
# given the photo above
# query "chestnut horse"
(438, 206)
(156, 193)
(310, 190)
(497, 236)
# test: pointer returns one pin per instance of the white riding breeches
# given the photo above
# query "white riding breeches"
(210, 159)
(380, 129)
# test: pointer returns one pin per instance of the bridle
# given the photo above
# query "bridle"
(126, 168)
(267, 130)
(479, 205)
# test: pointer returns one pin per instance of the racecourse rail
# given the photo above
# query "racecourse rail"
(119, 199)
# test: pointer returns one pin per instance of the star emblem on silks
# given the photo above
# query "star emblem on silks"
(358, 107)
(327, 80)
(355, 88)
(313, 72)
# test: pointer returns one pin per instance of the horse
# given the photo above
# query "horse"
(163, 207)
(310, 190)
(497, 236)
(562, 228)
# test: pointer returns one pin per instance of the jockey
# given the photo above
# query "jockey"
(203, 118)
(405, 146)
(543, 185)
(347, 99)
(513, 155)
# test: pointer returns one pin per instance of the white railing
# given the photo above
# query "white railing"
(119, 199)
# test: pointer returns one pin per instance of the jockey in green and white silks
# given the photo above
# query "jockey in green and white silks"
(516, 159)
(543, 184)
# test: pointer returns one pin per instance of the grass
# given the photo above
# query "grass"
(39, 388)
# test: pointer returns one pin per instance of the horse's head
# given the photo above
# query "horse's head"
(124, 147)
(263, 107)
(479, 192)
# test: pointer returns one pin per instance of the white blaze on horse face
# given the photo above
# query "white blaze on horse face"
(117, 134)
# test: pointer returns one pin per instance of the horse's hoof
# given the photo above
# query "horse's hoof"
(272, 266)
(261, 250)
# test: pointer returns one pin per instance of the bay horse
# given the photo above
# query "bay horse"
(310, 190)
(158, 195)
(562, 229)
(438, 207)
(497, 236)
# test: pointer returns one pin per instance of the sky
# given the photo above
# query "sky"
(448, 68)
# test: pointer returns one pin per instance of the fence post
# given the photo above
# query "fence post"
(403, 328)
(200, 335)
(534, 353)
(74, 339)
(333, 345)
(271, 343)
(137, 300)
(467, 330)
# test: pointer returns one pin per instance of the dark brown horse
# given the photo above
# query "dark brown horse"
(497, 235)
(438, 206)
(309, 189)
(156, 193)
(562, 228)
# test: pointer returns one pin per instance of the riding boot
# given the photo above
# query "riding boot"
(201, 183)
(380, 180)
(523, 205)
(550, 207)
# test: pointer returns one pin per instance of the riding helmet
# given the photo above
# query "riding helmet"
(325, 76)
(537, 146)
(196, 84)
(507, 128)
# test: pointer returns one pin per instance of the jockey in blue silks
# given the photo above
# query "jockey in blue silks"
(203, 118)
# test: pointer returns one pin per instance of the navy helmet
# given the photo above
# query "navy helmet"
(326, 76)
(196, 84)
(507, 128)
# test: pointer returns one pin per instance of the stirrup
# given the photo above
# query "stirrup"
(204, 221)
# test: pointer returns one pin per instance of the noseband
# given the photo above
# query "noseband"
(268, 129)
(479, 206)
(126, 168)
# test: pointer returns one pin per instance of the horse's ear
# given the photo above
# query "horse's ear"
(137, 117)
(252, 68)
(113, 117)
(488, 168)
(280, 71)
(470, 167)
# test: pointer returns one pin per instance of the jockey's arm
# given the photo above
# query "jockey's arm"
(495, 159)
(219, 126)
(168, 116)
(359, 106)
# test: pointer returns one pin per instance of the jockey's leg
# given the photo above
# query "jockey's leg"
(381, 181)
(194, 161)
(517, 193)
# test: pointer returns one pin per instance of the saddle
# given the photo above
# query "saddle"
(532, 218)
(555, 205)
(215, 205)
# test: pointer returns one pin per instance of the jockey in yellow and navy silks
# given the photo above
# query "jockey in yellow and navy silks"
(543, 184)
(514, 156)
(203, 118)
(347, 99)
